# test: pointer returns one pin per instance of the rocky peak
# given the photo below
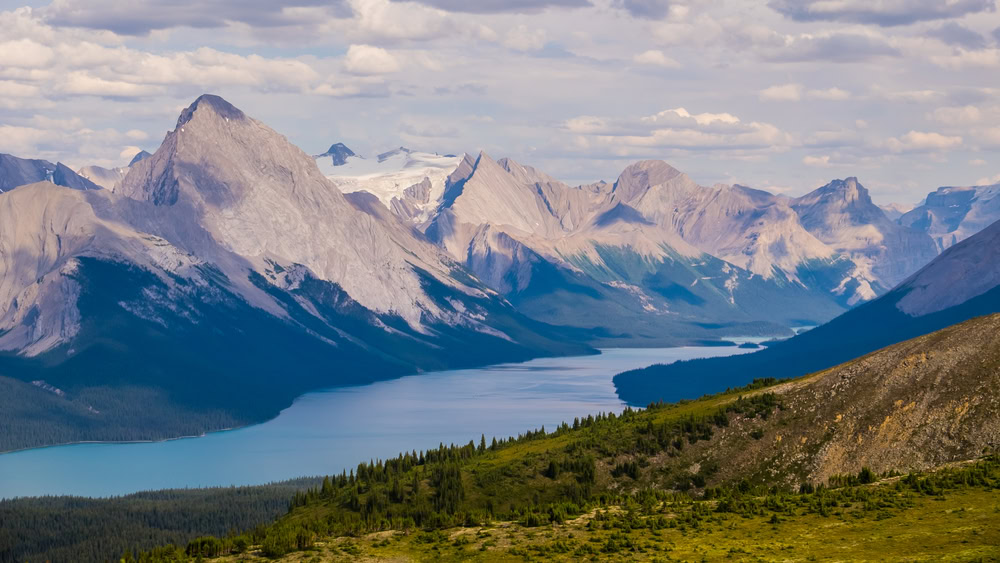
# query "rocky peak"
(338, 153)
(139, 156)
(639, 177)
(212, 104)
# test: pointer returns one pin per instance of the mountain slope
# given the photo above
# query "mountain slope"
(843, 216)
(959, 284)
(16, 172)
(218, 263)
(952, 214)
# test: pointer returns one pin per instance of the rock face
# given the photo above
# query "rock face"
(16, 172)
(952, 214)
(913, 406)
(841, 214)
(338, 153)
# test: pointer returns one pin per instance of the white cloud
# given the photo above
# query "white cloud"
(919, 141)
(367, 60)
(963, 115)
(977, 162)
(988, 180)
(817, 161)
(522, 38)
(655, 57)
(25, 53)
(782, 93)
(834, 94)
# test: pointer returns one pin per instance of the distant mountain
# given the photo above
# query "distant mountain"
(952, 214)
(843, 216)
(109, 178)
(16, 172)
(959, 284)
(896, 210)
(338, 153)
(223, 277)
(731, 251)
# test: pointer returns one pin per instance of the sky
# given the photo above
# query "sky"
(782, 95)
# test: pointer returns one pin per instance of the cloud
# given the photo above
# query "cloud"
(782, 93)
(879, 12)
(962, 59)
(140, 17)
(368, 60)
(650, 9)
(835, 47)
(964, 115)
(25, 53)
(522, 38)
(977, 162)
(655, 58)
(988, 180)
(817, 161)
(674, 129)
(953, 33)
(917, 141)
(795, 92)
(500, 6)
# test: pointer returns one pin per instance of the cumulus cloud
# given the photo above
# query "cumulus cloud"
(677, 129)
(795, 92)
(654, 57)
(954, 33)
(367, 60)
(833, 47)
(817, 161)
(879, 12)
(523, 38)
(919, 141)
(964, 115)
(500, 6)
(651, 9)
(988, 180)
(140, 17)
(782, 93)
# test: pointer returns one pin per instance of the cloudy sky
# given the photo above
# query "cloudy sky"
(781, 95)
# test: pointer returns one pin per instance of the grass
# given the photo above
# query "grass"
(961, 525)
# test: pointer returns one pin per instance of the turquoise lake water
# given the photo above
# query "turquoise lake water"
(325, 432)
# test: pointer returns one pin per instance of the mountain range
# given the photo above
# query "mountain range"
(220, 278)
(960, 284)
(229, 271)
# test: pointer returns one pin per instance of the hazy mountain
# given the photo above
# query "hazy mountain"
(109, 178)
(16, 172)
(959, 284)
(842, 215)
(896, 210)
(952, 214)
(141, 155)
(223, 277)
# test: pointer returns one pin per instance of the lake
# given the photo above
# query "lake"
(328, 431)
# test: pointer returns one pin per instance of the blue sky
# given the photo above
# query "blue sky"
(782, 95)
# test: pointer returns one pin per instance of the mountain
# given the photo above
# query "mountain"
(952, 214)
(224, 259)
(139, 156)
(659, 256)
(896, 210)
(16, 172)
(408, 182)
(842, 215)
(338, 153)
(959, 284)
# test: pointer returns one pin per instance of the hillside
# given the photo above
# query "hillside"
(959, 284)
(790, 451)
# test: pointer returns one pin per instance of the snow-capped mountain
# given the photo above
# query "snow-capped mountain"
(952, 214)
(225, 275)
(410, 183)
(16, 172)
